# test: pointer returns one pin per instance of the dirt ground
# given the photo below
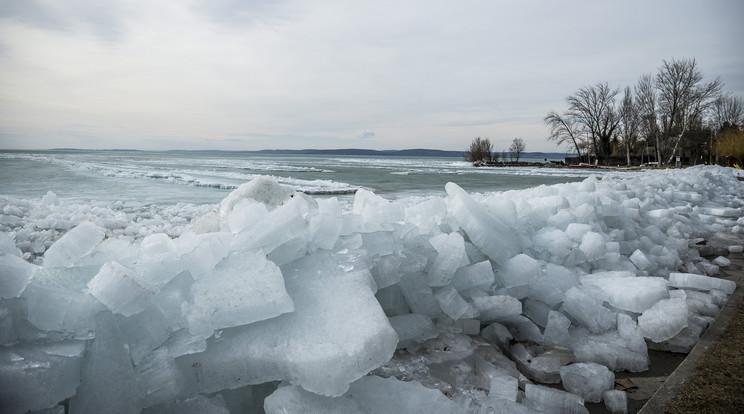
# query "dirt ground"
(717, 385)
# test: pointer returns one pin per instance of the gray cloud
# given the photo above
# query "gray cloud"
(300, 74)
(102, 18)
(241, 13)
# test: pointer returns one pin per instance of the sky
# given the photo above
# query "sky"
(294, 74)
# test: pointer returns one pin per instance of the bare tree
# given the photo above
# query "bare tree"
(683, 98)
(630, 123)
(727, 116)
(593, 109)
(517, 147)
(563, 130)
(647, 101)
(480, 150)
(728, 109)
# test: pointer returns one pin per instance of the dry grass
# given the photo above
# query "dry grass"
(717, 385)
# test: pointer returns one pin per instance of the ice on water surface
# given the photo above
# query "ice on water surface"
(366, 305)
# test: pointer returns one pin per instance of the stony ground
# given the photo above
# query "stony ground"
(717, 385)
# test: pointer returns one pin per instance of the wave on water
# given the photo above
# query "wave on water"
(215, 173)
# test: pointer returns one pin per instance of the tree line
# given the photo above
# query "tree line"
(481, 151)
(674, 113)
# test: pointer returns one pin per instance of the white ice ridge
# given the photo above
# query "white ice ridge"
(274, 300)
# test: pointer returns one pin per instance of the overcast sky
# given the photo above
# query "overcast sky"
(260, 74)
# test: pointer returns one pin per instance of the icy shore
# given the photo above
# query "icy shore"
(275, 300)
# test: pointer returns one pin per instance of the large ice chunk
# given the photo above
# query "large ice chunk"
(337, 334)
(493, 237)
(245, 213)
(418, 294)
(551, 286)
(261, 189)
(593, 246)
(368, 395)
(376, 211)
(616, 401)
(623, 349)
(450, 256)
(504, 387)
(35, 377)
(284, 223)
(588, 311)
(198, 404)
(243, 288)
(387, 270)
(208, 250)
(700, 282)
(412, 329)
(576, 231)
(158, 261)
(554, 242)
(589, 380)
(640, 260)
(15, 273)
(118, 288)
(293, 399)
(381, 243)
(8, 245)
(392, 301)
(159, 379)
(664, 320)
(451, 303)
(541, 364)
(497, 308)
(556, 330)
(522, 328)
(281, 225)
(61, 310)
(627, 292)
(73, 245)
(519, 270)
(99, 390)
(478, 275)
(550, 400)
(325, 227)
(426, 214)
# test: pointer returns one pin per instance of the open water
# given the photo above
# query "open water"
(207, 177)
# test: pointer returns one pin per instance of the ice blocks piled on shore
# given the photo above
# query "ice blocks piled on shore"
(274, 293)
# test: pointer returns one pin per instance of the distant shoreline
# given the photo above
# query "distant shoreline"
(416, 152)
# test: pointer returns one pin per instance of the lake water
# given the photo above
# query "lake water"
(207, 177)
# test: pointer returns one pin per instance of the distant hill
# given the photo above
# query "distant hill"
(418, 152)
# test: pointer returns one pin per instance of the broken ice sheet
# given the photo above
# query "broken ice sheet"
(243, 288)
(117, 287)
(73, 245)
(36, 377)
(370, 394)
(334, 336)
